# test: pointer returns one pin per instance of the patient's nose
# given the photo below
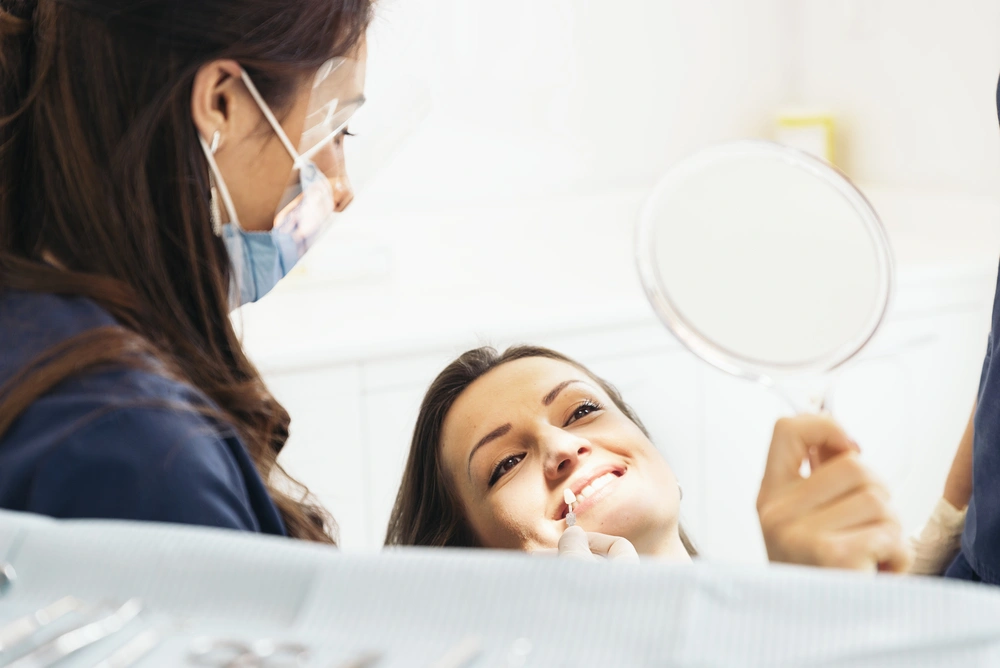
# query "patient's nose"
(564, 453)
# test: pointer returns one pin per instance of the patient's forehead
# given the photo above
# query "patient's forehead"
(512, 389)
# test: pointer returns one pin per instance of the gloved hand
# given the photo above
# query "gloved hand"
(575, 543)
(939, 541)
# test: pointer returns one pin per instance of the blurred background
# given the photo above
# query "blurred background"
(568, 96)
(501, 161)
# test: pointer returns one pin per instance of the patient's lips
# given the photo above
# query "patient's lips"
(587, 489)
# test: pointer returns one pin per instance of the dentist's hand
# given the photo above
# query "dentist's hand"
(939, 541)
(838, 517)
(575, 543)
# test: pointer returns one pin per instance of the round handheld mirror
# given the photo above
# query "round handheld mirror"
(764, 261)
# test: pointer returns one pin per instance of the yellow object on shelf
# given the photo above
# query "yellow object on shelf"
(810, 131)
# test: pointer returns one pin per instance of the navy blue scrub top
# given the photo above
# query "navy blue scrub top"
(979, 559)
(106, 444)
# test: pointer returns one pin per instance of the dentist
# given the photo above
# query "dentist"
(161, 163)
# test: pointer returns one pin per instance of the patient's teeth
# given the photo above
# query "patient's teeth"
(594, 486)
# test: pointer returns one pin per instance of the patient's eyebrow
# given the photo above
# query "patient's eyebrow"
(551, 396)
(492, 436)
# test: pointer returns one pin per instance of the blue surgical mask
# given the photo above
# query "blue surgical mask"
(261, 259)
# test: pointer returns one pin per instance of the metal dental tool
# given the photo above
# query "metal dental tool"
(570, 498)
(77, 639)
(22, 628)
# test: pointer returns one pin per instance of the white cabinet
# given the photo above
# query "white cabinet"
(391, 392)
(389, 415)
(739, 418)
(325, 449)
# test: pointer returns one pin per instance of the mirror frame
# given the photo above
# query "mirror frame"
(708, 350)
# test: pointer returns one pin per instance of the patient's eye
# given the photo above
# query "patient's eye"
(504, 467)
(583, 410)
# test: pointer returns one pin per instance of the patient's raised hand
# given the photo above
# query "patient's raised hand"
(839, 516)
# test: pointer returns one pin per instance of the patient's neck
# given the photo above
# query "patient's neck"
(667, 545)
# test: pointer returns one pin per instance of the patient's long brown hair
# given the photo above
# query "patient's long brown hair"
(102, 176)
(427, 511)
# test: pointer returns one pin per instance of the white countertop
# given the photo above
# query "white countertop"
(389, 281)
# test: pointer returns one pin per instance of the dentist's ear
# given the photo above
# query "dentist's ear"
(219, 102)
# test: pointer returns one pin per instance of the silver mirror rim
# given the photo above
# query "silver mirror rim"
(718, 356)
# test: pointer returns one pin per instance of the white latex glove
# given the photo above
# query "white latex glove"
(939, 541)
(575, 543)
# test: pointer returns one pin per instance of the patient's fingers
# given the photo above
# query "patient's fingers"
(863, 506)
(791, 444)
(880, 546)
(839, 516)
(835, 478)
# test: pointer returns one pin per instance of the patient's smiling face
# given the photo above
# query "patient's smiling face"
(527, 430)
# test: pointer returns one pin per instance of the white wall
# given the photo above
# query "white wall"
(523, 98)
(913, 82)
(543, 97)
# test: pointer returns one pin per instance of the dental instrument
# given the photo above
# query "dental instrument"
(7, 577)
(205, 651)
(20, 630)
(133, 651)
(570, 498)
(461, 655)
(73, 641)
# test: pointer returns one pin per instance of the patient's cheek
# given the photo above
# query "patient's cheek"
(513, 526)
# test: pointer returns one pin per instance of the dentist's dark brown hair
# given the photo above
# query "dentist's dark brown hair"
(427, 511)
(104, 190)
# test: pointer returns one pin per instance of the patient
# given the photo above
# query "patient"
(500, 437)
